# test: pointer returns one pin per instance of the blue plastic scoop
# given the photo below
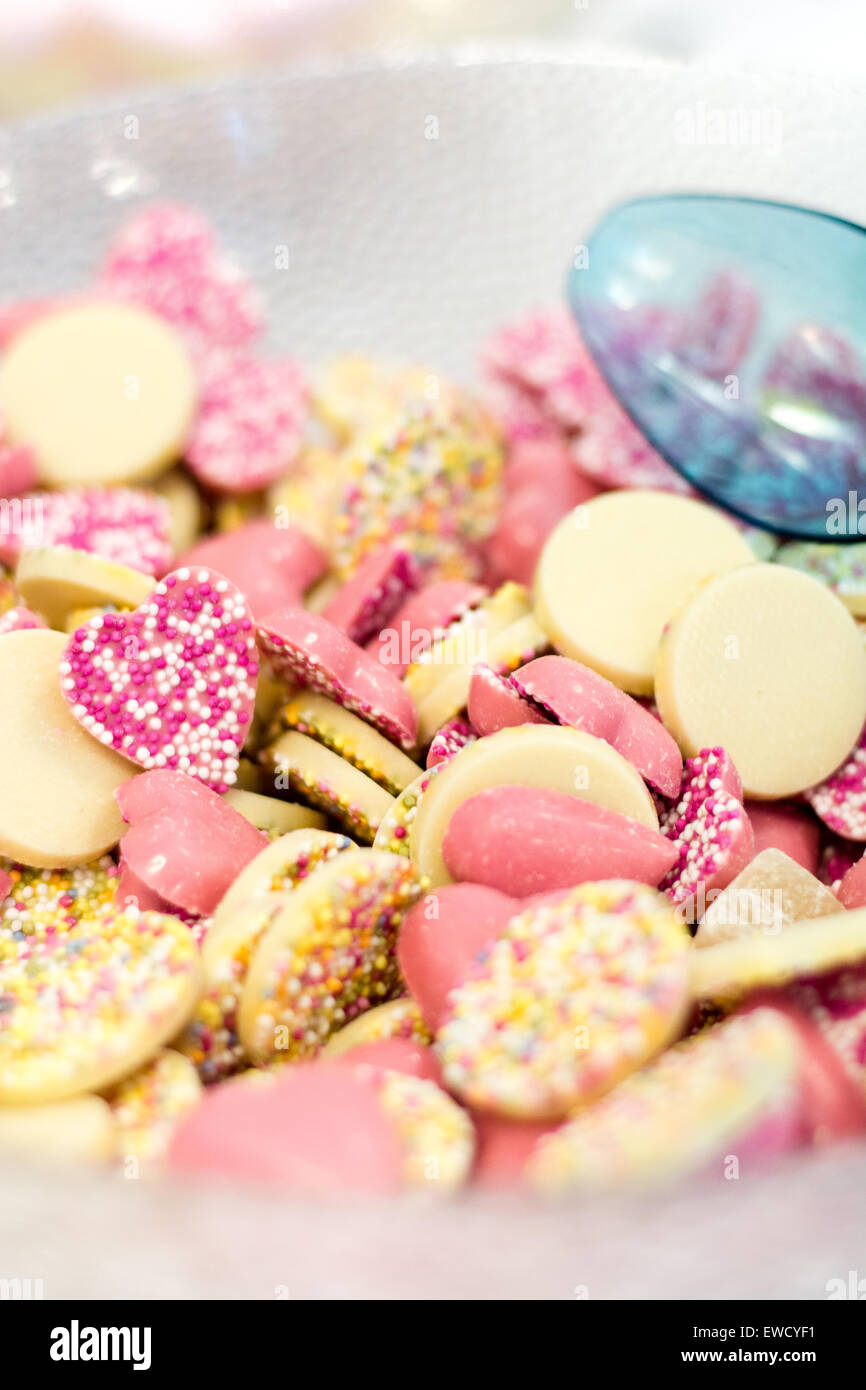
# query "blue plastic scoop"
(733, 332)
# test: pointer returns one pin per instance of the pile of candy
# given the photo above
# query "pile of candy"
(406, 790)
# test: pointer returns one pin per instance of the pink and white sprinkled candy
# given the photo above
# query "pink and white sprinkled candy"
(448, 740)
(840, 800)
(167, 260)
(16, 619)
(123, 524)
(172, 684)
(709, 825)
(250, 422)
(309, 649)
(495, 702)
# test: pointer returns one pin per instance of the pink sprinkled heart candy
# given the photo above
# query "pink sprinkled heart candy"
(709, 826)
(172, 684)
(309, 649)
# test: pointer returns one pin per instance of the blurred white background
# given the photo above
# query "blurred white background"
(57, 51)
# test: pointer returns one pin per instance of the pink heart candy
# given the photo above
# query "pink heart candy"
(185, 843)
(172, 684)
(573, 694)
(526, 840)
(311, 650)
(441, 937)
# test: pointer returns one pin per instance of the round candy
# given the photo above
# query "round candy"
(329, 1128)
(441, 938)
(249, 424)
(40, 903)
(329, 955)
(307, 648)
(19, 619)
(576, 993)
(527, 840)
(311, 771)
(368, 601)
(395, 826)
(421, 620)
(613, 571)
(465, 642)
(766, 662)
(351, 738)
(148, 1105)
(68, 1131)
(171, 685)
(43, 747)
(725, 973)
(730, 1090)
(102, 393)
(535, 755)
(395, 1054)
(276, 869)
(494, 703)
(123, 524)
(270, 814)
(85, 1008)
(57, 580)
(400, 1020)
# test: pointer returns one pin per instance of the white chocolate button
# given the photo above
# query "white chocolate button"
(464, 642)
(58, 580)
(273, 871)
(614, 570)
(768, 663)
(270, 813)
(349, 736)
(68, 1131)
(185, 507)
(58, 806)
(329, 783)
(102, 393)
(532, 755)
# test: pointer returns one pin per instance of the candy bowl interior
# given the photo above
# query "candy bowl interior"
(406, 210)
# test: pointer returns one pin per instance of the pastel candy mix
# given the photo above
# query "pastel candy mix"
(412, 790)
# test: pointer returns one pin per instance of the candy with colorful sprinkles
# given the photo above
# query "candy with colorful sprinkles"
(407, 789)
(171, 685)
(576, 993)
(86, 1007)
(329, 955)
(731, 1090)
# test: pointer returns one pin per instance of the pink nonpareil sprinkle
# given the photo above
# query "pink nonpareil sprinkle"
(840, 800)
(448, 740)
(709, 826)
(250, 422)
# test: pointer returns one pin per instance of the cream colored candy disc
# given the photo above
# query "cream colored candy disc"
(532, 755)
(269, 813)
(330, 783)
(58, 806)
(768, 663)
(67, 1131)
(57, 580)
(613, 571)
(102, 393)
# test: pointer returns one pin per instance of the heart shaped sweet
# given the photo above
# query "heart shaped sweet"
(171, 684)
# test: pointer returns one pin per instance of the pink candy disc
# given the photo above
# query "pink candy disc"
(172, 684)
(840, 800)
(441, 937)
(370, 599)
(18, 470)
(123, 524)
(395, 1054)
(186, 846)
(132, 891)
(709, 827)
(787, 826)
(318, 1126)
(542, 485)
(424, 616)
(250, 422)
(852, 889)
(312, 651)
(271, 565)
(448, 740)
(14, 619)
(525, 840)
(495, 703)
(167, 260)
(504, 1148)
(573, 694)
